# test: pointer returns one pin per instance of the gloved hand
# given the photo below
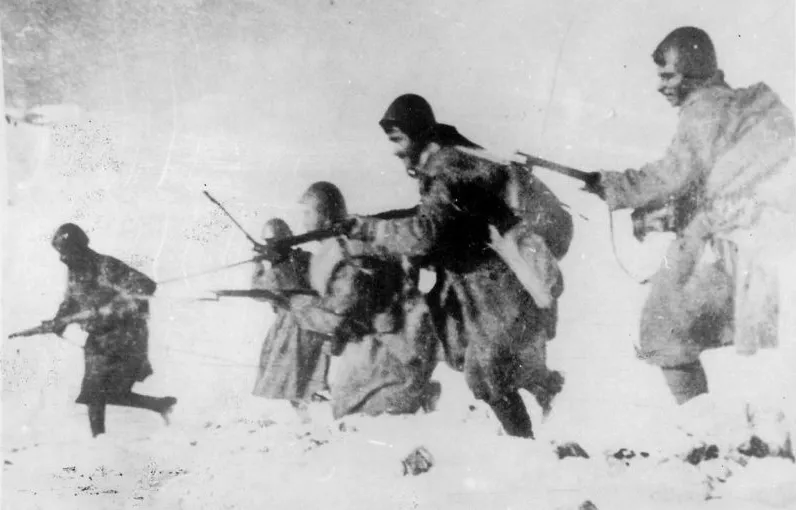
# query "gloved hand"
(594, 184)
(50, 325)
(353, 227)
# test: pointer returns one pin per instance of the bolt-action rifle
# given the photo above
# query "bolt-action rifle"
(276, 249)
(57, 324)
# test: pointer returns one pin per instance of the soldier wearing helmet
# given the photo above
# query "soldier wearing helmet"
(490, 325)
(293, 361)
(116, 347)
(382, 338)
(725, 177)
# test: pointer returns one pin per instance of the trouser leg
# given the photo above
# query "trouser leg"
(156, 404)
(489, 378)
(96, 417)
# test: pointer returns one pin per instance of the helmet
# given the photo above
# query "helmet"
(412, 114)
(276, 228)
(696, 54)
(330, 200)
(69, 236)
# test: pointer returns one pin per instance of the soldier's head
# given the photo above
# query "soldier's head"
(686, 59)
(322, 205)
(275, 228)
(71, 243)
(409, 123)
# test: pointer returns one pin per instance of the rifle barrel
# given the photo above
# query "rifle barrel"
(248, 236)
(550, 165)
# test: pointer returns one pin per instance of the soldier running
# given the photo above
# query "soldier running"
(491, 327)
(116, 348)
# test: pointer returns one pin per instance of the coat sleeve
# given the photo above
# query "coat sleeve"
(326, 314)
(688, 158)
(130, 285)
(415, 235)
(68, 306)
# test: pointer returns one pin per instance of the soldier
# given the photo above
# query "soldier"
(293, 362)
(490, 326)
(726, 179)
(116, 348)
(384, 341)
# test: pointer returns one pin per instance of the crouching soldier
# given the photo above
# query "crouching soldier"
(293, 362)
(384, 341)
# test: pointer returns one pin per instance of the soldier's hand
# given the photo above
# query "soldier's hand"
(350, 227)
(594, 184)
(49, 325)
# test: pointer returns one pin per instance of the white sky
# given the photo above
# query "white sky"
(297, 95)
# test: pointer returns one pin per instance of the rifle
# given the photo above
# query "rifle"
(47, 327)
(275, 249)
(280, 299)
(574, 173)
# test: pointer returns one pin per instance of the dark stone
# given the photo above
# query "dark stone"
(571, 450)
(418, 462)
(624, 453)
(755, 447)
(702, 453)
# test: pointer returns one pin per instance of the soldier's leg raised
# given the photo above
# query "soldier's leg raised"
(533, 374)
(96, 417)
(162, 406)
(488, 374)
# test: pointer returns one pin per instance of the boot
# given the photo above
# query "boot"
(547, 392)
(513, 415)
(686, 381)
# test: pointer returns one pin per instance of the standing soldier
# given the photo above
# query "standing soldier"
(491, 327)
(116, 348)
(726, 178)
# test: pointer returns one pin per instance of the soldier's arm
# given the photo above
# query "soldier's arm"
(414, 235)
(326, 314)
(687, 159)
(131, 289)
(69, 305)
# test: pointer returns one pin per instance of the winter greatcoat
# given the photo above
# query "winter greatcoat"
(489, 325)
(116, 348)
(293, 361)
(384, 339)
(727, 170)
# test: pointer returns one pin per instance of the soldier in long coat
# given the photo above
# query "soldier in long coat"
(116, 354)
(384, 343)
(491, 327)
(728, 178)
(293, 362)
